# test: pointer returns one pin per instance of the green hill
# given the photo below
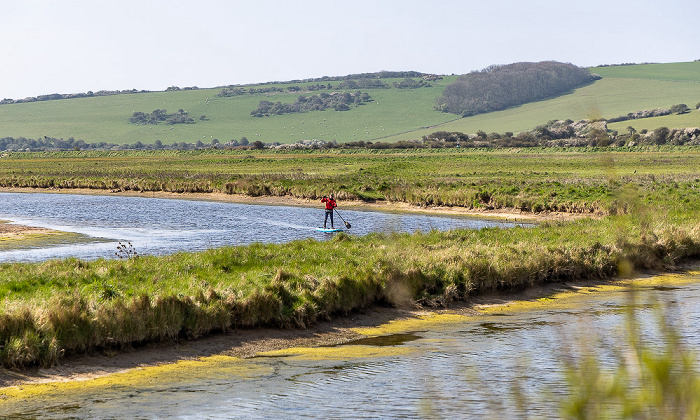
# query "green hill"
(623, 89)
(393, 114)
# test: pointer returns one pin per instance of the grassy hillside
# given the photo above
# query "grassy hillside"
(395, 114)
(622, 90)
(107, 118)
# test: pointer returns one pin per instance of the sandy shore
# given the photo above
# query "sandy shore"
(12, 231)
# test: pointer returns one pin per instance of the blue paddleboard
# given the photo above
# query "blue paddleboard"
(329, 230)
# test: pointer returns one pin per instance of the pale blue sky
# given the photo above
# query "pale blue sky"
(70, 46)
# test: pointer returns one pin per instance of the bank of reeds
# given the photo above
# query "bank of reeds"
(71, 306)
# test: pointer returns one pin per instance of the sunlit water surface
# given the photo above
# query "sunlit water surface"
(466, 369)
(164, 226)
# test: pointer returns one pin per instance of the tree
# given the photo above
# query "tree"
(680, 109)
(660, 135)
(244, 141)
(499, 87)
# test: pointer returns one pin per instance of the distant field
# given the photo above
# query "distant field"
(395, 114)
(689, 72)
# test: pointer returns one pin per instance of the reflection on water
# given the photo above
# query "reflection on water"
(462, 369)
(165, 226)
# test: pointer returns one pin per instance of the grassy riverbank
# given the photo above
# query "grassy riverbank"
(57, 308)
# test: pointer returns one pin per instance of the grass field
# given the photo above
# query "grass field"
(395, 114)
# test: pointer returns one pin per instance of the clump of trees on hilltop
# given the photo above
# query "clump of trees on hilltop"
(160, 115)
(340, 101)
(499, 87)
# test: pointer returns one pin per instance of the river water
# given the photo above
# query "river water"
(164, 226)
(465, 368)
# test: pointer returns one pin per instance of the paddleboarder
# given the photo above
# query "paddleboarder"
(330, 205)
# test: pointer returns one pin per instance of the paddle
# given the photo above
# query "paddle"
(347, 225)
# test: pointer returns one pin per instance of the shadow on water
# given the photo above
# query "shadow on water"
(381, 341)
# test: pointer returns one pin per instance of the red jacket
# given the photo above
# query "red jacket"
(330, 203)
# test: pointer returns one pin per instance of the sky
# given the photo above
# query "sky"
(73, 46)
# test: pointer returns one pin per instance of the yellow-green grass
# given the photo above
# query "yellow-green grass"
(684, 71)
(72, 306)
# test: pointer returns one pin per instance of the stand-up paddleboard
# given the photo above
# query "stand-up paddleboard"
(329, 230)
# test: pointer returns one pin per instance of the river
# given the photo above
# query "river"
(462, 368)
(163, 226)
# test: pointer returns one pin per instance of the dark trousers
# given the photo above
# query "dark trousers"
(325, 219)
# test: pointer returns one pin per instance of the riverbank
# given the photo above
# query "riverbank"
(372, 322)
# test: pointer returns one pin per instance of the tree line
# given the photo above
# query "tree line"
(360, 79)
(55, 96)
(348, 84)
(499, 87)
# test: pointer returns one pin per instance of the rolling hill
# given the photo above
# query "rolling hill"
(392, 114)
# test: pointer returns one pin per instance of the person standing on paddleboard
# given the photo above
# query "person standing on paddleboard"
(330, 205)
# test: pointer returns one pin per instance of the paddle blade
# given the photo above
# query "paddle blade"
(347, 225)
